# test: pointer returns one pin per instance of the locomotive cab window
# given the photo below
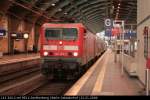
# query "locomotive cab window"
(53, 33)
(69, 34)
(62, 33)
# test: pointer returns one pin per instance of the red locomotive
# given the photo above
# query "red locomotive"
(67, 48)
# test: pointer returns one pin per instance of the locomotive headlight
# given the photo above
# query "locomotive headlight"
(45, 53)
(60, 42)
(75, 54)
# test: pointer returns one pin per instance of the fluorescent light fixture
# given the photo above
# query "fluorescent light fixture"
(60, 9)
(65, 13)
(53, 4)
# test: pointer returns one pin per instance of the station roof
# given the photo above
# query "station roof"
(90, 12)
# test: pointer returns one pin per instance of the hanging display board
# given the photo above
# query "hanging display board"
(108, 24)
(17, 35)
(146, 42)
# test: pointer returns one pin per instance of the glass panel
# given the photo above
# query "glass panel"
(53, 33)
(64, 33)
(70, 33)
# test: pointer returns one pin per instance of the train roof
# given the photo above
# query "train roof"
(63, 25)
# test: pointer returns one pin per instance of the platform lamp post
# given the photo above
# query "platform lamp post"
(26, 36)
(121, 23)
(147, 76)
(147, 57)
(123, 30)
(115, 33)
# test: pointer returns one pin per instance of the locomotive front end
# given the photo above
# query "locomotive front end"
(60, 51)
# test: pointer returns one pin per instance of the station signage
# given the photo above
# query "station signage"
(108, 24)
(108, 32)
(16, 35)
(2, 32)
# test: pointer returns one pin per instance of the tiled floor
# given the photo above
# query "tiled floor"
(106, 79)
(117, 84)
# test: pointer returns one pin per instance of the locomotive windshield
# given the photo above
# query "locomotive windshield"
(64, 34)
(53, 33)
(69, 33)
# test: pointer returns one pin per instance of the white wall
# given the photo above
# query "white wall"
(143, 10)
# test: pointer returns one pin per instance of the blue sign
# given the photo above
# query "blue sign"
(130, 34)
(2, 33)
(108, 32)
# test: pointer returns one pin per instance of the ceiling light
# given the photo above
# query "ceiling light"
(117, 14)
(119, 4)
(65, 13)
(113, 7)
(53, 4)
(26, 35)
(59, 9)
(118, 7)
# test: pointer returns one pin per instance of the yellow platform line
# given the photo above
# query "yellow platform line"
(99, 82)
(80, 83)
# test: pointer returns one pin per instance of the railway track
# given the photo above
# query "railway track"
(22, 85)
(31, 82)
(52, 88)
(17, 74)
(20, 78)
(34, 84)
(10, 71)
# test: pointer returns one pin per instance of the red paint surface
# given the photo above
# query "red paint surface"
(148, 63)
(89, 47)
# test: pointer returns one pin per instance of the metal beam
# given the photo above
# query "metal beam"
(55, 9)
(85, 6)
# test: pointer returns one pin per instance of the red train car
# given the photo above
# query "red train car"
(66, 48)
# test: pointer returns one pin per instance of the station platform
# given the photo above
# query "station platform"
(105, 78)
(7, 59)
